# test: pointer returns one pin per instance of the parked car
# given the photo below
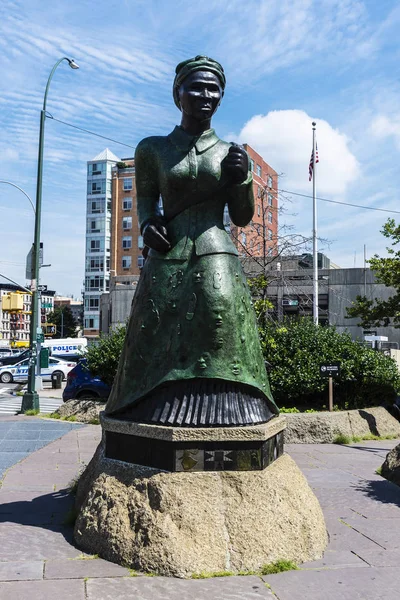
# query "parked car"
(82, 384)
(5, 352)
(13, 359)
(19, 372)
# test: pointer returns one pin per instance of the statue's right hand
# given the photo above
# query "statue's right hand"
(155, 237)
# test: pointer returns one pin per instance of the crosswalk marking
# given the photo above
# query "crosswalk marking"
(5, 390)
(12, 405)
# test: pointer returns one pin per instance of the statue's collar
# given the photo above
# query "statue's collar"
(184, 141)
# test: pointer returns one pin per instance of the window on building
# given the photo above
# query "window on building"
(140, 242)
(270, 251)
(91, 323)
(269, 234)
(94, 226)
(270, 198)
(251, 164)
(126, 222)
(128, 184)
(127, 242)
(260, 192)
(127, 204)
(94, 282)
(92, 303)
(269, 181)
(243, 238)
(126, 262)
(96, 264)
(140, 262)
(96, 168)
(96, 206)
(95, 245)
(269, 217)
(258, 170)
(258, 210)
(97, 187)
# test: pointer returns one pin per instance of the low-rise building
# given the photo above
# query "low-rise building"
(15, 323)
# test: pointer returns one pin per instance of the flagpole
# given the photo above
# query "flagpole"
(314, 235)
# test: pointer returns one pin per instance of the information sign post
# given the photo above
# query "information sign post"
(330, 370)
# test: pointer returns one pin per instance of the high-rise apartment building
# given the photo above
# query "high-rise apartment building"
(126, 241)
(259, 238)
(98, 237)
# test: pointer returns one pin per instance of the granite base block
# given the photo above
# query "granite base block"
(178, 449)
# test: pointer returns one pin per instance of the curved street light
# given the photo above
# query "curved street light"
(21, 190)
(31, 398)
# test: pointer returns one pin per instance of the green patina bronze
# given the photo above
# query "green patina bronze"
(192, 316)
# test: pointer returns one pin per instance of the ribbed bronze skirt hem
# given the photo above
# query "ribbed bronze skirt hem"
(201, 403)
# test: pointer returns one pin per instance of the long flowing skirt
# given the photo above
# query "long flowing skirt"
(192, 355)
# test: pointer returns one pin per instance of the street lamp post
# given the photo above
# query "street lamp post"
(31, 398)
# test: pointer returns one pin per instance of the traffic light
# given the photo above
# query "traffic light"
(49, 329)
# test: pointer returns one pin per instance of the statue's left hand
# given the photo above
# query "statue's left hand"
(236, 164)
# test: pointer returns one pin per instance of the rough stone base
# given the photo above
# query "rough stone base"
(324, 427)
(177, 524)
(391, 466)
(85, 411)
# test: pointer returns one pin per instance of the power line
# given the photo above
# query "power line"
(49, 116)
(343, 203)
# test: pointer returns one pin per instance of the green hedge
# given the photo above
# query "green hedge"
(296, 348)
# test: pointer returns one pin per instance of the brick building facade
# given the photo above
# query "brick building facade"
(259, 238)
(126, 241)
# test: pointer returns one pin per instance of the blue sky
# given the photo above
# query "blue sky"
(287, 62)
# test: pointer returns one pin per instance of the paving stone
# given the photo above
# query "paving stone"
(385, 532)
(337, 560)
(381, 558)
(20, 571)
(21, 542)
(347, 584)
(43, 590)
(327, 478)
(81, 568)
(19, 445)
(22, 434)
(163, 588)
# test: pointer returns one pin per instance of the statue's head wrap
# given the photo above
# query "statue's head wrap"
(198, 63)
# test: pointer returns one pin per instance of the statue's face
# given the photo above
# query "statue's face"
(200, 94)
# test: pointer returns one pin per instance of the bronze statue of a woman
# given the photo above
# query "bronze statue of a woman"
(192, 356)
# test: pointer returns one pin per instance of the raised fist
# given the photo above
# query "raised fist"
(236, 164)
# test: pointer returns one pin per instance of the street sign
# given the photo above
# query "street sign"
(330, 369)
(42, 288)
(29, 274)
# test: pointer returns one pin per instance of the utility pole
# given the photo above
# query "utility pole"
(314, 232)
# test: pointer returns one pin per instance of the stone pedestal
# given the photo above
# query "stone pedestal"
(193, 448)
(213, 507)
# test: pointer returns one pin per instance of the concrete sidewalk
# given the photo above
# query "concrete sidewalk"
(39, 561)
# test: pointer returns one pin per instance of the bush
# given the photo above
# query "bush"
(103, 357)
(296, 348)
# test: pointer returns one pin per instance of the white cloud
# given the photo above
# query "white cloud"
(284, 139)
(383, 127)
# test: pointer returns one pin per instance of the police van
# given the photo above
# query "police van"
(66, 348)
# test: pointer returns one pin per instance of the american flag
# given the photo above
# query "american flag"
(311, 165)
